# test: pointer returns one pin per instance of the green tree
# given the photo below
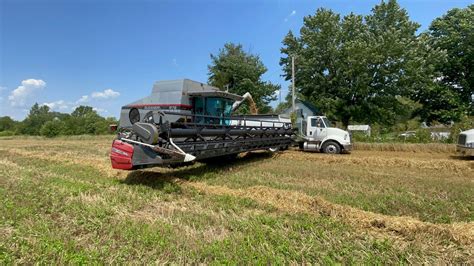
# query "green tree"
(453, 96)
(7, 123)
(359, 68)
(84, 120)
(241, 72)
(36, 118)
(83, 111)
(52, 128)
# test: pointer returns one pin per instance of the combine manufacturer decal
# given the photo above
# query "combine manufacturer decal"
(160, 106)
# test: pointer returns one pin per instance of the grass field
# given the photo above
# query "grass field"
(62, 203)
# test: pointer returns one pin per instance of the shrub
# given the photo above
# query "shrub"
(7, 133)
(423, 136)
(52, 128)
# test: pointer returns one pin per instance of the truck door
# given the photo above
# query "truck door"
(316, 129)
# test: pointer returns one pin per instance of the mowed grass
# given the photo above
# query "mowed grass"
(62, 203)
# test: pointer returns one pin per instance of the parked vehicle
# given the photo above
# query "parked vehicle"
(408, 134)
(465, 144)
(317, 134)
(314, 133)
(183, 121)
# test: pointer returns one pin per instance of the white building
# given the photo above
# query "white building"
(360, 128)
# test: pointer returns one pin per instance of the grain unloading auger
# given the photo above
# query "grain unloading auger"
(183, 121)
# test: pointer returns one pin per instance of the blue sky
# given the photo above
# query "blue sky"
(108, 53)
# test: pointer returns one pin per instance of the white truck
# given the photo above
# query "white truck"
(465, 144)
(317, 134)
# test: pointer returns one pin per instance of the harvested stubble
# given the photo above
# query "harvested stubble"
(407, 147)
(63, 203)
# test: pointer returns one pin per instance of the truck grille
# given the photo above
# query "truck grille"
(462, 139)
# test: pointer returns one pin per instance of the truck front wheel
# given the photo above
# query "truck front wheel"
(331, 147)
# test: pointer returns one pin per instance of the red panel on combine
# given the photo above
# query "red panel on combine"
(121, 155)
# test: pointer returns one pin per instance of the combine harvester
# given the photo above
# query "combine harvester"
(184, 121)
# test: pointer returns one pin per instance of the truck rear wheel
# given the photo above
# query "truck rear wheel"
(331, 147)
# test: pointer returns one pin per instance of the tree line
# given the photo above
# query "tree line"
(42, 121)
(374, 69)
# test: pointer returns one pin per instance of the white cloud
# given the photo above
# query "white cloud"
(28, 87)
(94, 97)
(60, 105)
(99, 110)
(290, 15)
(106, 94)
(83, 99)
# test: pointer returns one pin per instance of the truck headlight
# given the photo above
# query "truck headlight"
(470, 145)
(345, 137)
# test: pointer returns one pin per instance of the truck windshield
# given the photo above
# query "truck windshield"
(327, 122)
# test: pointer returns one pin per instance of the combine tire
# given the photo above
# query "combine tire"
(331, 147)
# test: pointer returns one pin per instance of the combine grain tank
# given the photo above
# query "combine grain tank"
(183, 121)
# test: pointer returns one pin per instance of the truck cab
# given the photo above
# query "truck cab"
(317, 134)
(465, 144)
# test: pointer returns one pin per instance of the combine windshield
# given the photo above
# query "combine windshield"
(212, 106)
(218, 107)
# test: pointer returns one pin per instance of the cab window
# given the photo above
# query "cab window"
(317, 122)
(212, 106)
(218, 106)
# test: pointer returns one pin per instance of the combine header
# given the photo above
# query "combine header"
(183, 121)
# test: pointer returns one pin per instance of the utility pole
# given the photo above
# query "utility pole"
(293, 83)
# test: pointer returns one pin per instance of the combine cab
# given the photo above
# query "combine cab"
(184, 121)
